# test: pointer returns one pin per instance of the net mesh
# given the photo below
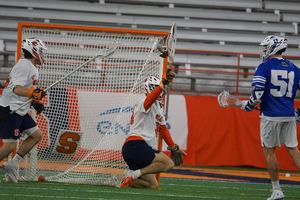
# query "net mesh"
(86, 117)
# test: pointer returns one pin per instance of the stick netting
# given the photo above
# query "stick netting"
(87, 115)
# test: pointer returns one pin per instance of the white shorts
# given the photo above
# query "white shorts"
(274, 133)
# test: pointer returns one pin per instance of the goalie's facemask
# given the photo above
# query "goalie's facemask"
(150, 84)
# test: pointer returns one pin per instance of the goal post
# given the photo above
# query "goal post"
(86, 117)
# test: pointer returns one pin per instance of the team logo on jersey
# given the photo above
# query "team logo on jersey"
(284, 64)
(17, 132)
(158, 118)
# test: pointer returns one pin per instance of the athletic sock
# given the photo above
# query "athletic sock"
(276, 185)
(136, 174)
(17, 159)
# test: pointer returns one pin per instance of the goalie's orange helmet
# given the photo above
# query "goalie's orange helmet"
(36, 48)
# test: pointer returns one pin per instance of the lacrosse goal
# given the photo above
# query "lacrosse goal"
(87, 115)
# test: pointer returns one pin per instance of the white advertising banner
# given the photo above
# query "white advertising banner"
(104, 124)
(177, 121)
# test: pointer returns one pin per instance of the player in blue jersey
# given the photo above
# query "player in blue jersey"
(275, 84)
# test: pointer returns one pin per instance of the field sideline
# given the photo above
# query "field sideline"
(199, 183)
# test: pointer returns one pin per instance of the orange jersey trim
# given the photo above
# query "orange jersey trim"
(130, 138)
(152, 97)
(165, 134)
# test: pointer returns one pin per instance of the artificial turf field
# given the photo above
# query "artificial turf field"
(181, 183)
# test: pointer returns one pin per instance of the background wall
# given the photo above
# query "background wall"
(222, 136)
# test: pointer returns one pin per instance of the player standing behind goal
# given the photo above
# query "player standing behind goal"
(139, 150)
(275, 84)
(19, 86)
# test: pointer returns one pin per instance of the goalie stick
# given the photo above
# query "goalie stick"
(103, 53)
(225, 99)
(168, 49)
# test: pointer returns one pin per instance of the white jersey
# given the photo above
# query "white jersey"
(25, 74)
(146, 123)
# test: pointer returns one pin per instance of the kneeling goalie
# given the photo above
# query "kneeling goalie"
(139, 150)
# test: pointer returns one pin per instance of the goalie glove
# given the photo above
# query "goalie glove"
(38, 106)
(177, 154)
(36, 93)
(167, 77)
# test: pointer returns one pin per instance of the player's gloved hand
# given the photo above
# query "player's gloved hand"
(246, 106)
(167, 77)
(36, 93)
(177, 154)
(38, 106)
(297, 115)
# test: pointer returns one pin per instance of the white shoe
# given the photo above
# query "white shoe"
(276, 194)
(12, 171)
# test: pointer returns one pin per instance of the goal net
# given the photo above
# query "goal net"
(87, 115)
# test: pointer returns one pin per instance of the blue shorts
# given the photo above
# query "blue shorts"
(138, 154)
(12, 125)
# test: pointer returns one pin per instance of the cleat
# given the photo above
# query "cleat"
(11, 170)
(276, 194)
(125, 182)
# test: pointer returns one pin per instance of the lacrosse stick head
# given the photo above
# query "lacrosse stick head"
(167, 45)
(171, 41)
(225, 99)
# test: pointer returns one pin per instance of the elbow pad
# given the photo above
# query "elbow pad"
(256, 95)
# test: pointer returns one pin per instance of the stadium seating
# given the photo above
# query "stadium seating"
(217, 40)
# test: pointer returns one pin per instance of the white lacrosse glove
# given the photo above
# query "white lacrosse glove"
(297, 115)
(246, 106)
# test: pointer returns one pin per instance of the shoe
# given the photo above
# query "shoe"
(276, 194)
(125, 182)
(11, 170)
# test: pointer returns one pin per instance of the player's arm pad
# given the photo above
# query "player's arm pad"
(256, 95)
(297, 115)
(165, 134)
(177, 154)
(38, 106)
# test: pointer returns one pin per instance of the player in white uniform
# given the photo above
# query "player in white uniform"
(139, 150)
(19, 87)
(275, 84)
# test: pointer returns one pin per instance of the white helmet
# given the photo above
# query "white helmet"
(36, 48)
(271, 45)
(150, 84)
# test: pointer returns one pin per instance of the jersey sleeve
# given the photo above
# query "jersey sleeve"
(152, 97)
(19, 76)
(165, 134)
(260, 76)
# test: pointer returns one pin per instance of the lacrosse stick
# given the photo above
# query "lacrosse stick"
(103, 53)
(225, 99)
(168, 49)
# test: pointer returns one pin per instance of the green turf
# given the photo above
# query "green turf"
(170, 189)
